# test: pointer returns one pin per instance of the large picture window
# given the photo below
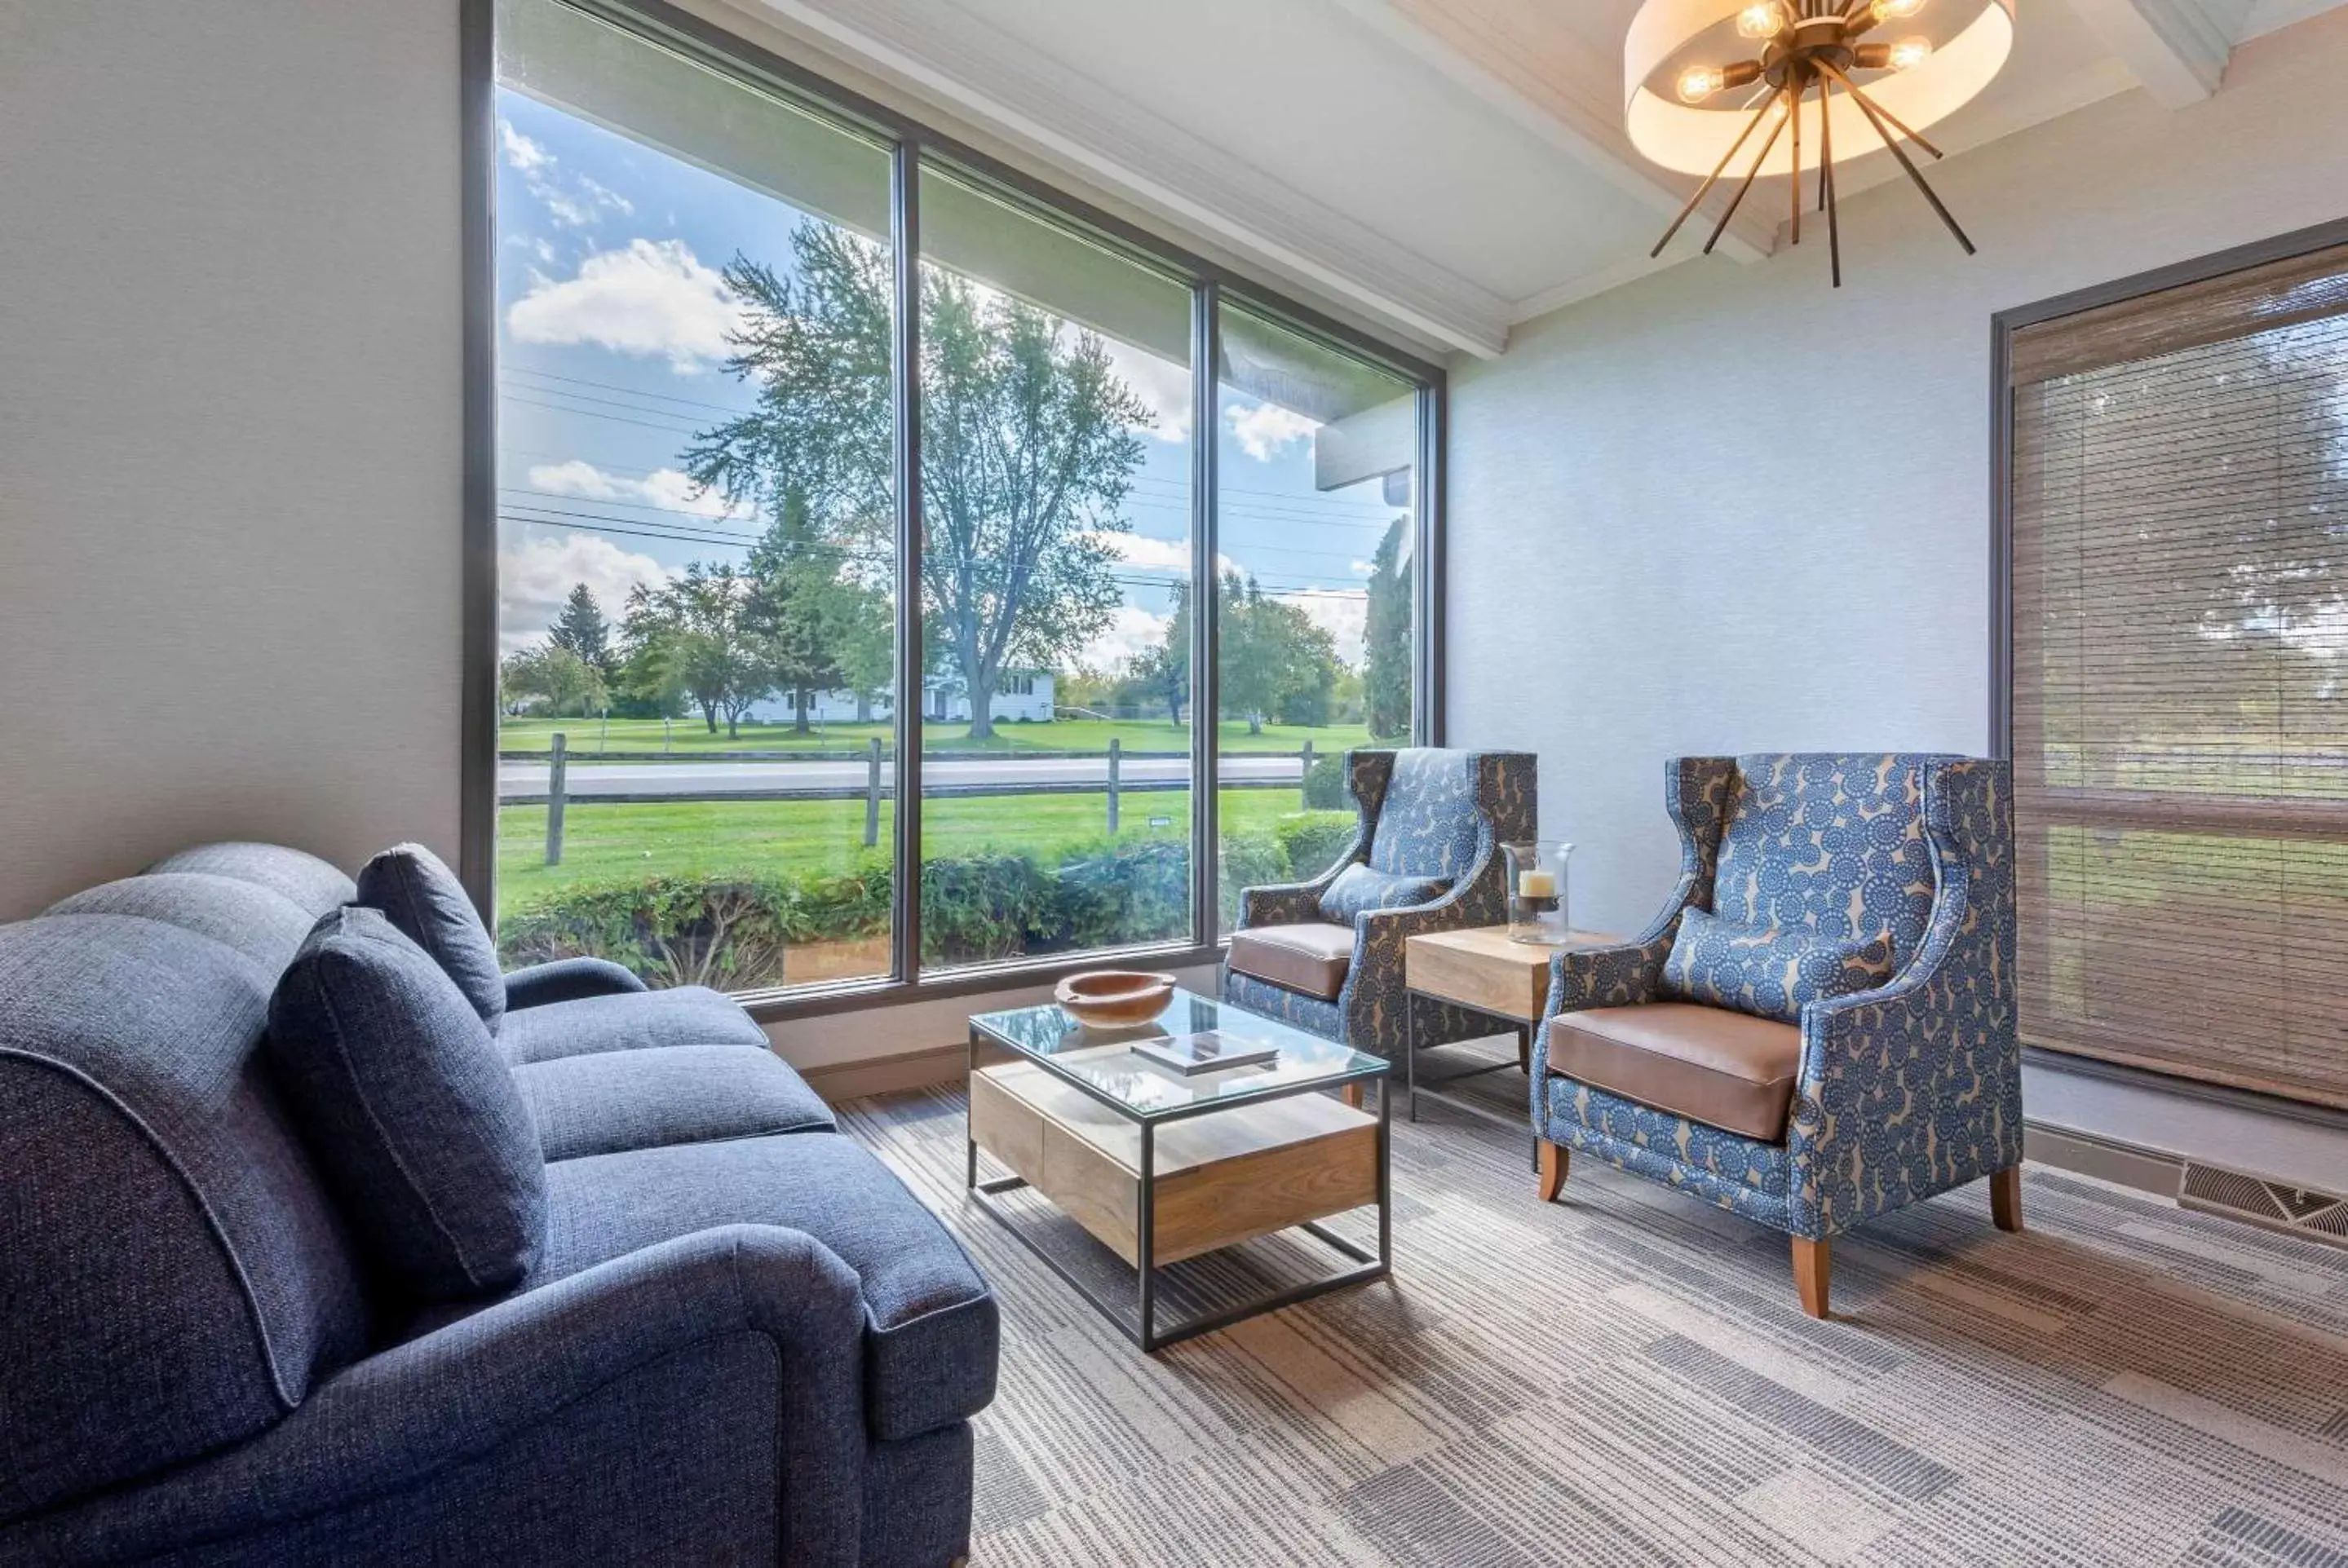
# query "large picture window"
(2178, 484)
(860, 510)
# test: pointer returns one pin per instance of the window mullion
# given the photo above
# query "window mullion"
(905, 234)
(1206, 329)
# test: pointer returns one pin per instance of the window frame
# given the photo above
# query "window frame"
(914, 146)
(2003, 326)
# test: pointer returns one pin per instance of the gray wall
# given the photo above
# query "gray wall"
(1728, 508)
(229, 431)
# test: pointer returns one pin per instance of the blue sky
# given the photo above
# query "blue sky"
(613, 317)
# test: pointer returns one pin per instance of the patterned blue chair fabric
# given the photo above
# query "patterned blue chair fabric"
(1429, 818)
(1899, 1090)
(742, 1339)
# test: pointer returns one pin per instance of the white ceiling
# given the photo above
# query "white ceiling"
(1446, 168)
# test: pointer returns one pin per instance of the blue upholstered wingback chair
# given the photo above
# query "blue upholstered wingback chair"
(1326, 956)
(1819, 1026)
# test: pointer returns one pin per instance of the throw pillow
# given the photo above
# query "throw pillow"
(409, 1108)
(1769, 971)
(422, 897)
(1357, 888)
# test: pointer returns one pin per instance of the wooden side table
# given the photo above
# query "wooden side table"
(1479, 968)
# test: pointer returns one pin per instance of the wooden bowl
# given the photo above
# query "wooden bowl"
(1107, 999)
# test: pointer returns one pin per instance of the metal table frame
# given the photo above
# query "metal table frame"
(1143, 1331)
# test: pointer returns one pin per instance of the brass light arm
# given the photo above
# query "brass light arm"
(1736, 201)
(1876, 110)
(1825, 180)
(1874, 118)
(1714, 177)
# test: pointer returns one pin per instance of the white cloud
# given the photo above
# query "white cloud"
(1364, 568)
(1150, 553)
(1343, 613)
(670, 490)
(1131, 632)
(1163, 387)
(1264, 429)
(586, 200)
(656, 297)
(536, 576)
(522, 152)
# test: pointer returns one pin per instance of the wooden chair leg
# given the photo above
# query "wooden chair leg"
(1554, 1159)
(1525, 1050)
(2005, 1198)
(1811, 1274)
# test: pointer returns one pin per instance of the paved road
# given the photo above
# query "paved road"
(700, 781)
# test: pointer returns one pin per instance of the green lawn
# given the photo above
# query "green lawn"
(637, 736)
(716, 839)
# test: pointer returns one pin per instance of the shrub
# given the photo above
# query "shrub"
(737, 934)
(1311, 840)
(1324, 784)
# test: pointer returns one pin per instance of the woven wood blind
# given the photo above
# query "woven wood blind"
(2180, 678)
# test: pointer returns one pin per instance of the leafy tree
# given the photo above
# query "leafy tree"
(1167, 667)
(582, 629)
(1028, 449)
(1275, 661)
(694, 636)
(1385, 679)
(552, 674)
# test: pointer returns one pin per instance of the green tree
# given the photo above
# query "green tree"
(1028, 448)
(1385, 677)
(582, 629)
(1275, 662)
(1167, 667)
(552, 674)
(694, 637)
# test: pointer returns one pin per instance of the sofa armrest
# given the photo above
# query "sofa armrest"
(567, 980)
(407, 1419)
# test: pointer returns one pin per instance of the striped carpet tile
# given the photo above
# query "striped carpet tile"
(1625, 1377)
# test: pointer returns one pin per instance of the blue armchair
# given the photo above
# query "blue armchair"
(1819, 1026)
(1326, 956)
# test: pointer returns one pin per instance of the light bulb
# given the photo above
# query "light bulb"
(1895, 10)
(1698, 83)
(1910, 53)
(1764, 20)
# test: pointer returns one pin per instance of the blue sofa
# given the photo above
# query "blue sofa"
(742, 1339)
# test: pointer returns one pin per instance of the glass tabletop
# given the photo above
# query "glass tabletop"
(1104, 1060)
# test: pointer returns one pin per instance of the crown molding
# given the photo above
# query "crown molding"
(1497, 51)
(943, 55)
(2273, 15)
(2177, 48)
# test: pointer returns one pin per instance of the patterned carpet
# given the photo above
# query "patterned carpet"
(1625, 1377)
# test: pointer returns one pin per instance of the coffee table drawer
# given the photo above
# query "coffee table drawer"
(1218, 1179)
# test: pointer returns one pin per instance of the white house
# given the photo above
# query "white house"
(1021, 696)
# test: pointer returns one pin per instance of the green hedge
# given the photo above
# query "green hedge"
(737, 934)
(1324, 784)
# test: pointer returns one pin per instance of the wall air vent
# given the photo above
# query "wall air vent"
(2301, 1211)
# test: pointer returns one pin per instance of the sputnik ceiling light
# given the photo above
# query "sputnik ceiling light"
(1797, 50)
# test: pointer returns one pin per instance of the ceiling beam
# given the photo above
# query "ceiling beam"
(943, 55)
(1514, 59)
(2177, 48)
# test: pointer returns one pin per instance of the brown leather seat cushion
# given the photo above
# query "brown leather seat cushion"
(1311, 958)
(1727, 1068)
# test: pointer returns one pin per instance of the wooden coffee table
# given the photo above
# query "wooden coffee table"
(1159, 1167)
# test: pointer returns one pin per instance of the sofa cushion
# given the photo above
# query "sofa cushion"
(1357, 888)
(1767, 972)
(616, 1101)
(632, 1021)
(1726, 1069)
(1312, 957)
(423, 897)
(305, 878)
(932, 1325)
(258, 921)
(409, 1108)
